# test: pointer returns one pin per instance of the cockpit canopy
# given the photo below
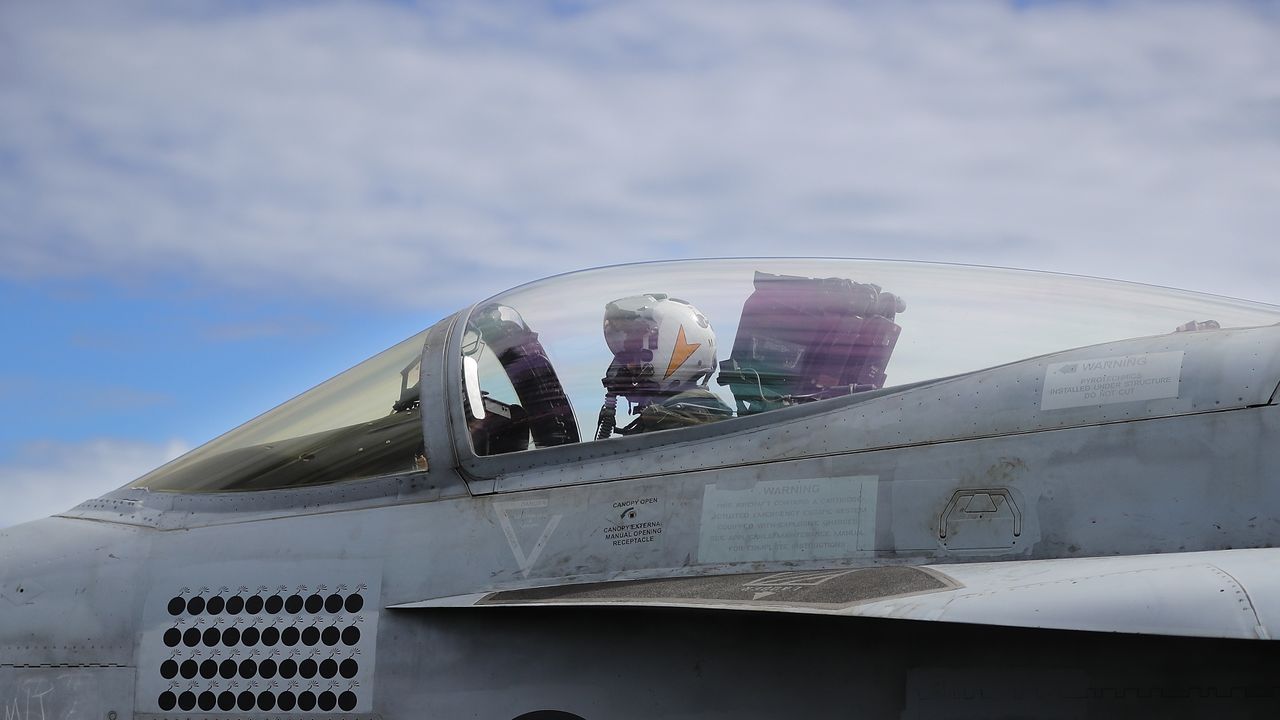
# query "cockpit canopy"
(363, 423)
(651, 348)
(596, 350)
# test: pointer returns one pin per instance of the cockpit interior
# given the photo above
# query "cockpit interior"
(597, 355)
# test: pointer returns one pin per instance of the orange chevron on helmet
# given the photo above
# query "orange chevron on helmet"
(682, 352)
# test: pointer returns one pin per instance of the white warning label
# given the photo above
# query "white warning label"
(1100, 381)
(822, 518)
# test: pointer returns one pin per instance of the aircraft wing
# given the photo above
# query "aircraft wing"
(1223, 594)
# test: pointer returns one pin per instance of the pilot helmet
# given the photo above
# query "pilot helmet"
(661, 346)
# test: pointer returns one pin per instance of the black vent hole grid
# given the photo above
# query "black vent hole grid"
(286, 649)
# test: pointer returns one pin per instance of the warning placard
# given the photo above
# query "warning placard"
(821, 518)
(1101, 381)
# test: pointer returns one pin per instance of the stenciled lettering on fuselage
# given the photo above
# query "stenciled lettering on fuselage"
(528, 526)
(1102, 381)
(635, 521)
(772, 520)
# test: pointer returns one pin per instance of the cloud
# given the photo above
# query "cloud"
(50, 477)
(265, 329)
(33, 399)
(438, 153)
(121, 399)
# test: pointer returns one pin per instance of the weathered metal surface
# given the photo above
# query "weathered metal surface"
(1011, 496)
(68, 692)
(815, 588)
(1227, 370)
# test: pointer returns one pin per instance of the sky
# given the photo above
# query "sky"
(208, 207)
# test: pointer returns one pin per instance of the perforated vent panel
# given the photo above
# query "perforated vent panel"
(241, 639)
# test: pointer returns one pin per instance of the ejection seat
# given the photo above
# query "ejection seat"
(804, 339)
(544, 413)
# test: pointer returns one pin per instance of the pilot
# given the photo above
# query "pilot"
(664, 353)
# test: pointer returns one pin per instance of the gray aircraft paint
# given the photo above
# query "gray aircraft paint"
(952, 471)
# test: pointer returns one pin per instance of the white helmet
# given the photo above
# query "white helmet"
(661, 346)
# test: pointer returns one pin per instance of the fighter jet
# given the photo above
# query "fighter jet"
(747, 488)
